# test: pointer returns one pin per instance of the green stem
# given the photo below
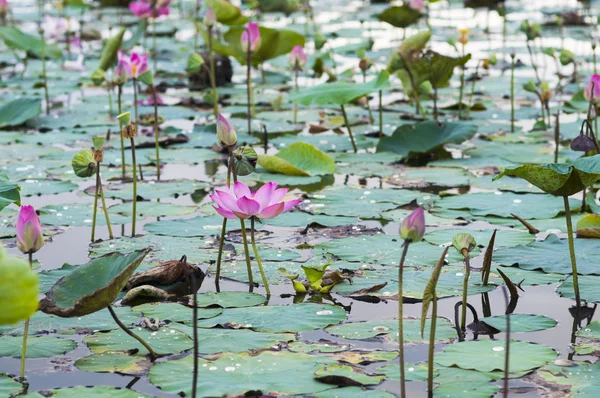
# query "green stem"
(249, 86)
(371, 120)
(594, 57)
(572, 250)
(260, 267)
(95, 210)
(119, 95)
(104, 207)
(224, 227)
(156, 132)
(134, 214)
(380, 114)
(213, 80)
(295, 103)
(462, 85)
(46, 95)
(401, 320)
(512, 93)
(25, 332)
(349, 130)
(537, 75)
(431, 345)
(135, 106)
(472, 90)
(153, 355)
(154, 53)
(110, 106)
(246, 251)
(463, 321)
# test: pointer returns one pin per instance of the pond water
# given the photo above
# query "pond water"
(357, 210)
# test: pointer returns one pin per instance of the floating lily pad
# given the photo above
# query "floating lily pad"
(389, 328)
(163, 341)
(229, 299)
(9, 387)
(412, 371)
(300, 159)
(152, 189)
(353, 392)
(152, 209)
(114, 362)
(521, 322)
(581, 377)
(588, 288)
(94, 392)
(45, 187)
(190, 227)
(78, 215)
(346, 375)
(37, 346)
(504, 238)
(174, 312)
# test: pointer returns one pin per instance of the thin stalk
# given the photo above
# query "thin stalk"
(556, 136)
(512, 93)
(462, 85)
(371, 120)
(473, 90)
(119, 95)
(156, 132)
(295, 103)
(46, 95)
(249, 86)
(154, 53)
(95, 210)
(134, 215)
(537, 75)
(380, 113)
(594, 57)
(435, 108)
(135, 106)
(153, 355)
(507, 349)
(213, 80)
(110, 106)
(572, 250)
(401, 320)
(348, 127)
(431, 345)
(25, 332)
(224, 227)
(246, 250)
(260, 267)
(195, 334)
(463, 321)
(99, 189)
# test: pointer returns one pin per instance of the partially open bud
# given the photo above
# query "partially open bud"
(210, 18)
(251, 39)
(413, 226)
(463, 36)
(20, 289)
(546, 95)
(29, 230)
(84, 164)
(226, 135)
(298, 58)
(464, 243)
(583, 143)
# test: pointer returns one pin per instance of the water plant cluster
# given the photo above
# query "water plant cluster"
(284, 198)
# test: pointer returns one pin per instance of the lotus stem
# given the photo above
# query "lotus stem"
(213, 80)
(260, 267)
(135, 106)
(462, 86)
(380, 114)
(401, 319)
(572, 250)
(224, 227)
(512, 93)
(249, 86)
(473, 90)
(153, 355)
(110, 106)
(99, 189)
(594, 58)
(507, 349)
(537, 75)
(295, 103)
(44, 77)
(195, 333)
(134, 214)
(244, 238)
(435, 108)
(25, 332)
(463, 321)
(154, 53)
(119, 95)
(557, 136)
(156, 145)
(349, 129)
(431, 345)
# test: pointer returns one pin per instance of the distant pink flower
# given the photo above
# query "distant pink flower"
(54, 28)
(241, 203)
(210, 18)
(150, 101)
(29, 230)
(298, 57)
(417, 5)
(136, 63)
(413, 226)
(3, 7)
(595, 81)
(122, 72)
(143, 8)
(251, 38)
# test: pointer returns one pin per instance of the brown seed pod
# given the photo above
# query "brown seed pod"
(98, 156)
(129, 131)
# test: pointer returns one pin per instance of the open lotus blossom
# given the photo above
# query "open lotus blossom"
(241, 203)
(135, 64)
(595, 82)
(144, 9)
(298, 57)
(417, 5)
(251, 35)
(29, 230)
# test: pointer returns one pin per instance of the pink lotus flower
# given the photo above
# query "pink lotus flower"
(143, 8)
(54, 28)
(3, 7)
(251, 38)
(298, 57)
(595, 95)
(417, 5)
(138, 64)
(241, 203)
(122, 72)
(29, 231)
(413, 226)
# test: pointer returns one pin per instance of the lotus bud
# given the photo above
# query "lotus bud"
(3, 8)
(486, 64)
(210, 18)
(464, 243)
(413, 226)
(122, 73)
(592, 89)
(84, 164)
(29, 230)
(298, 58)
(566, 57)
(125, 118)
(463, 36)
(364, 64)
(226, 135)
(546, 94)
(417, 5)
(251, 39)
(493, 59)
(583, 143)
(20, 289)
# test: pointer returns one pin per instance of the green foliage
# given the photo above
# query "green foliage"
(399, 16)
(9, 192)
(110, 50)
(298, 159)
(16, 39)
(18, 111)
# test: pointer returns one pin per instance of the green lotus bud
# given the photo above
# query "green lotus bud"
(125, 118)
(464, 243)
(19, 289)
(84, 164)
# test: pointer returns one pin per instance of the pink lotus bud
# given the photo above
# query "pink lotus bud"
(594, 95)
(141, 9)
(210, 18)
(413, 226)
(29, 231)
(417, 5)
(122, 71)
(298, 57)
(251, 38)
(226, 135)
(3, 7)
(583, 143)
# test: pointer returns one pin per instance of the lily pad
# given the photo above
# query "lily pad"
(521, 322)
(412, 330)
(229, 299)
(588, 288)
(345, 375)
(94, 392)
(299, 159)
(174, 312)
(190, 227)
(9, 387)
(37, 346)
(581, 378)
(164, 341)
(114, 362)
(504, 238)
(152, 209)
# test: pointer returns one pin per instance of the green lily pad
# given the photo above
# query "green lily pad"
(300, 159)
(504, 238)
(114, 362)
(399, 16)
(94, 392)
(346, 375)
(174, 312)
(521, 322)
(9, 192)
(588, 288)
(78, 215)
(152, 209)
(354, 392)
(412, 330)
(164, 341)
(488, 355)
(229, 299)
(456, 382)
(589, 226)
(190, 227)
(37, 346)
(581, 378)
(46, 187)
(152, 189)
(18, 111)
(9, 387)
(412, 371)
(93, 286)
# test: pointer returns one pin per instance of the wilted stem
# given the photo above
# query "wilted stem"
(401, 320)
(463, 321)
(260, 267)
(348, 127)
(25, 332)
(101, 191)
(572, 250)
(213, 81)
(153, 355)
(156, 132)
(119, 94)
(431, 345)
